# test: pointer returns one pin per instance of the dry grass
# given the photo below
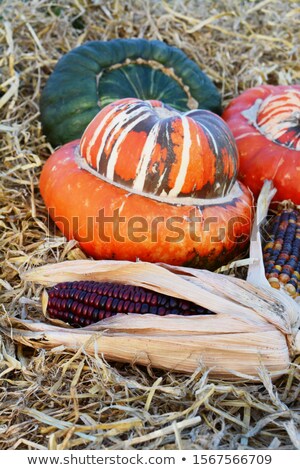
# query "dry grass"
(57, 400)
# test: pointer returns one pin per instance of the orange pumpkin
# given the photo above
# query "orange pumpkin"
(147, 182)
(265, 122)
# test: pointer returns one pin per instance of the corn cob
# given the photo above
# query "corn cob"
(254, 325)
(282, 251)
(85, 302)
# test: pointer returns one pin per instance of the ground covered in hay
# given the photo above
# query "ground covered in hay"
(56, 400)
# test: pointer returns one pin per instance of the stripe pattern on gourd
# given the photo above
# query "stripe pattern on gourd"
(152, 148)
(279, 119)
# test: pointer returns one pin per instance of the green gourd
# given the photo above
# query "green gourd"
(99, 72)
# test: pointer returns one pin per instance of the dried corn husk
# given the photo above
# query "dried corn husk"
(254, 327)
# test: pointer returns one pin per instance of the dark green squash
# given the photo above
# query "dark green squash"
(99, 72)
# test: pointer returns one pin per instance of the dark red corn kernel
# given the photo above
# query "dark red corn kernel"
(90, 311)
(105, 289)
(76, 319)
(93, 298)
(65, 316)
(161, 311)
(109, 303)
(153, 300)
(74, 306)
(94, 288)
(79, 309)
(81, 303)
(100, 288)
(67, 293)
(131, 308)
(87, 298)
(63, 285)
(76, 295)
(57, 293)
(90, 289)
(85, 310)
(101, 315)
(126, 295)
(97, 301)
(115, 292)
(110, 291)
(60, 293)
(54, 302)
(85, 285)
(120, 306)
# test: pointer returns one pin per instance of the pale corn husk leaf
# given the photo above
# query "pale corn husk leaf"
(252, 327)
(148, 340)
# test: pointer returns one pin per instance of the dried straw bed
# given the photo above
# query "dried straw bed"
(57, 400)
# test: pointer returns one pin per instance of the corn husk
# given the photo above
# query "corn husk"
(254, 326)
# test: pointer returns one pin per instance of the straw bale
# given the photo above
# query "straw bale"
(59, 400)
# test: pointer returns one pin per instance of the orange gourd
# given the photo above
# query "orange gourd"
(148, 182)
(265, 122)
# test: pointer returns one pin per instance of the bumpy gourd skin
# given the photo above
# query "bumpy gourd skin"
(78, 201)
(83, 82)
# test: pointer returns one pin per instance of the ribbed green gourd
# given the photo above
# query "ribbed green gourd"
(99, 72)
